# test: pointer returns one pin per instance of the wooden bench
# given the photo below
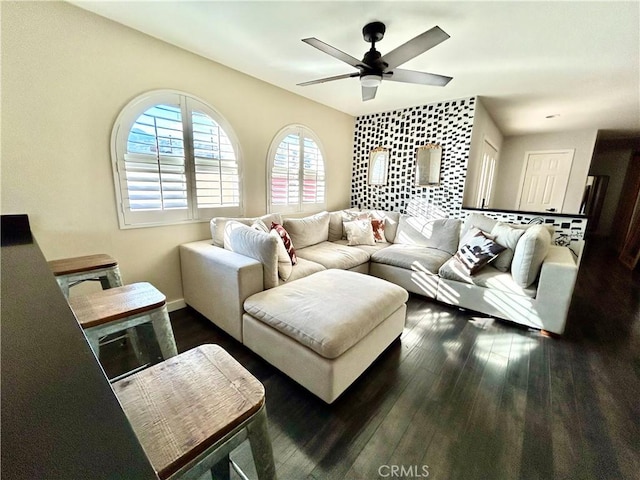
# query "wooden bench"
(192, 410)
(121, 308)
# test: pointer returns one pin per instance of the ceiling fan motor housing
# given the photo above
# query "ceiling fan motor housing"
(373, 32)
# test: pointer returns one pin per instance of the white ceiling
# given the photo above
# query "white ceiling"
(527, 60)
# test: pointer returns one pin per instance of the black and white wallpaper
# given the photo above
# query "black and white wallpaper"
(448, 124)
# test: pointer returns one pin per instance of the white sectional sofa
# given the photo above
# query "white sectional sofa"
(532, 289)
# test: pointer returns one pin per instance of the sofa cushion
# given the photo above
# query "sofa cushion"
(488, 277)
(529, 254)
(370, 249)
(217, 225)
(327, 312)
(412, 257)
(507, 236)
(360, 232)
(308, 230)
(334, 255)
(477, 250)
(441, 233)
(258, 245)
(302, 269)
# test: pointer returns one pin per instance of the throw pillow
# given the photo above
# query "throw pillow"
(529, 254)
(285, 265)
(359, 232)
(350, 215)
(378, 230)
(260, 225)
(508, 237)
(229, 226)
(477, 250)
(258, 245)
(286, 239)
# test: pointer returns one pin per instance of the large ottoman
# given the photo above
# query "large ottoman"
(324, 330)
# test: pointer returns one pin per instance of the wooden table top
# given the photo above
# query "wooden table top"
(66, 266)
(116, 303)
(182, 406)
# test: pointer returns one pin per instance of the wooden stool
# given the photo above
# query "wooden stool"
(121, 308)
(71, 271)
(192, 410)
(104, 268)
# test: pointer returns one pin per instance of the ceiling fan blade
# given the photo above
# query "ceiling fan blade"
(411, 76)
(415, 47)
(368, 93)
(329, 79)
(334, 52)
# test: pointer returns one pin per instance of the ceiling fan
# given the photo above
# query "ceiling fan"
(374, 67)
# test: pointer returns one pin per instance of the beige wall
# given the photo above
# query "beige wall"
(512, 161)
(612, 159)
(484, 128)
(66, 74)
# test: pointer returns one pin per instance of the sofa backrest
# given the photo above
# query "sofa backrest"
(308, 231)
(442, 234)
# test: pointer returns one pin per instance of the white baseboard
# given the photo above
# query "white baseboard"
(174, 305)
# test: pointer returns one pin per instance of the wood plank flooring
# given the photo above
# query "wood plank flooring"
(462, 396)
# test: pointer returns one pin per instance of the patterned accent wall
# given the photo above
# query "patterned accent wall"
(448, 124)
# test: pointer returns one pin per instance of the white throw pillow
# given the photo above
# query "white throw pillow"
(258, 245)
(260, 225)
(359, 232)
(229, 226)
(285, 266)
(508, 237)
(529, 254)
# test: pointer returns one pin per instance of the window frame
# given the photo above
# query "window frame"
(187, 103)
(300, 207)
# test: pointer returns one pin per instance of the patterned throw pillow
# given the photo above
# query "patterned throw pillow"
(378, 230)
(288, 244)
(477, 250)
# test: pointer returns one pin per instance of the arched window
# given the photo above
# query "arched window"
(175, 159)
(296, 176)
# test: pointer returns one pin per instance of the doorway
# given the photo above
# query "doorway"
(487, 174)
(544, 181)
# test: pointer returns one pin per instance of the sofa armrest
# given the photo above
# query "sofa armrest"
(216, 282)
(555, 288)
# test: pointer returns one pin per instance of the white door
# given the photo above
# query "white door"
(487, 174)
(545, 179)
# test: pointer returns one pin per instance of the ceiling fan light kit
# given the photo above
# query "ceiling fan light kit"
(374, 66)
(370, 80)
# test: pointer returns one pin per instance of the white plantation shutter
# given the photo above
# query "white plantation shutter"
(174, 161)
(296, 171)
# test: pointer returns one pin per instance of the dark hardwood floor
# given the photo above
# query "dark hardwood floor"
(462, 396)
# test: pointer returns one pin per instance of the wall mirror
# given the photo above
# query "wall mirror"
(378, 166)
(428, 158)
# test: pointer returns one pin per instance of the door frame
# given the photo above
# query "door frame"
(487, 141)
(523, 172)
